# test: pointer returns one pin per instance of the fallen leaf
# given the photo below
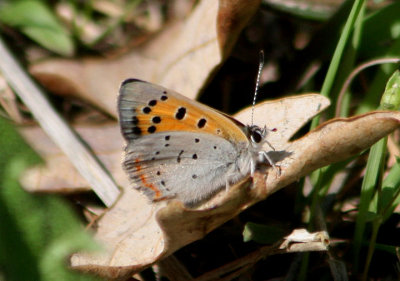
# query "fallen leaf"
(303, 236)
(182, 57)
(58, 175)
(138, 234)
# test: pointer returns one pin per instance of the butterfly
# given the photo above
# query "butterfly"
(180, 148)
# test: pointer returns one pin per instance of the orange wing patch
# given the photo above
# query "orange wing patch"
(172, 114)
(146, 184)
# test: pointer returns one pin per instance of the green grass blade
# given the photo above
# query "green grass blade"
(372, 182)
(37, 233)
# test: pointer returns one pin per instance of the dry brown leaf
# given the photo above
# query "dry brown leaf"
(58, 174)
(182, 57)
(138, 233)
(138, 220)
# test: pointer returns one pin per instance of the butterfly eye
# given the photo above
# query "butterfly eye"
(256, 134)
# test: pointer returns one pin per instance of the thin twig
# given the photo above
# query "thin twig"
(252, 258)
(84, 161)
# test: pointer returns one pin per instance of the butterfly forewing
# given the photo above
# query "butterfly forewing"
(145, 108)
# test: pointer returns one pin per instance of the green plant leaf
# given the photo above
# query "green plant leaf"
(261, 233)
(37, 233)
(380, 29)
(391, 97)
(36, 20)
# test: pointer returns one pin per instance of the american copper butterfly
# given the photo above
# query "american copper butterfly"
(180, 148)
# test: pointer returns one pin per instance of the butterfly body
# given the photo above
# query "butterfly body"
(179, 148)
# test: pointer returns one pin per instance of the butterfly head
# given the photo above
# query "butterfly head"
(256, 135)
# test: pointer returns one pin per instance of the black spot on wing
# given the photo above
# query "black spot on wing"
(156, 119)
(136, 130)
(146, 110)
(180, 114)
(134, 120)
(152, 103)
(202, 122)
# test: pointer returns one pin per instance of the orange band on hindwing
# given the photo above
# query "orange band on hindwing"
(157, 192)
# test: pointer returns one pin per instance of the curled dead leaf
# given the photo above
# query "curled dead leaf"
(232, 18)
(138, 233)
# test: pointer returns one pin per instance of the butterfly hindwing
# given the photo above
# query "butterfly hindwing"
(188, 166)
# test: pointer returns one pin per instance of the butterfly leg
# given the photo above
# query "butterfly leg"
(231, 177)
(270, 145)
(263, 155)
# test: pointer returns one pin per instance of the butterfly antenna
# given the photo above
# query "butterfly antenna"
(260, 67)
